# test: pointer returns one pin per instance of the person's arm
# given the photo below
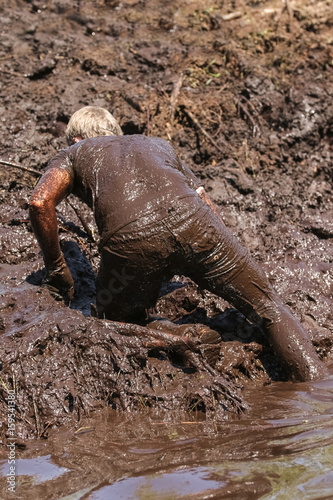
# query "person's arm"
(53, 187)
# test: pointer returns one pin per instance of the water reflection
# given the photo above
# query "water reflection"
(188, 482)
(281, 449)
(40, 469)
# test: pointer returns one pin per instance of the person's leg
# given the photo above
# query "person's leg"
(133, 266)
(221, 265)
(124, 291)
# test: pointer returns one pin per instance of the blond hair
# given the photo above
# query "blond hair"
(91, 121)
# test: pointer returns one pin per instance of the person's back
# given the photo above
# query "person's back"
(123, 178)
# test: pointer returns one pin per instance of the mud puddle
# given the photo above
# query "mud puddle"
(281, 449)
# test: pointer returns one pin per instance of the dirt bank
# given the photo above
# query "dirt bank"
(243, 91)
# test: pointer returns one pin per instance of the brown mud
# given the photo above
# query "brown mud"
(280, 449)
(246, 102)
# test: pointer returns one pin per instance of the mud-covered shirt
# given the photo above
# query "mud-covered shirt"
(125, 178)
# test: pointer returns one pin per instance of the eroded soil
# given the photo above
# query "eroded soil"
(243, 90)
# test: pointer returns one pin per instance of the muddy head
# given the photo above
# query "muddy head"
(91, 121)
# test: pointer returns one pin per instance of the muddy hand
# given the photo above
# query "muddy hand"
(191, 349)
(59, 281)
(182, 345)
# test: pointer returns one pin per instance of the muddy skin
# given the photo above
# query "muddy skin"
(153, 225)
(269, 112)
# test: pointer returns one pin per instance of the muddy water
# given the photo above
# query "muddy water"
(281, 449)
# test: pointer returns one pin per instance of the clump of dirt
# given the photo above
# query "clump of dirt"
(242, 90)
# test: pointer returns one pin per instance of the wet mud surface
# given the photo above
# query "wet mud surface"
(279, 449)
(247, 103)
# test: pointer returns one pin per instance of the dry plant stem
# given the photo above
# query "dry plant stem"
(11, 73)
(174, 95)
(232, 16)
(36, 417)
(241, 106)
(20, 167)
(82, 220)
(45, 429)
(290, 11)
(287, 7)
(204, 131)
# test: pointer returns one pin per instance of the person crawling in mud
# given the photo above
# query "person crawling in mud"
(155, 220)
